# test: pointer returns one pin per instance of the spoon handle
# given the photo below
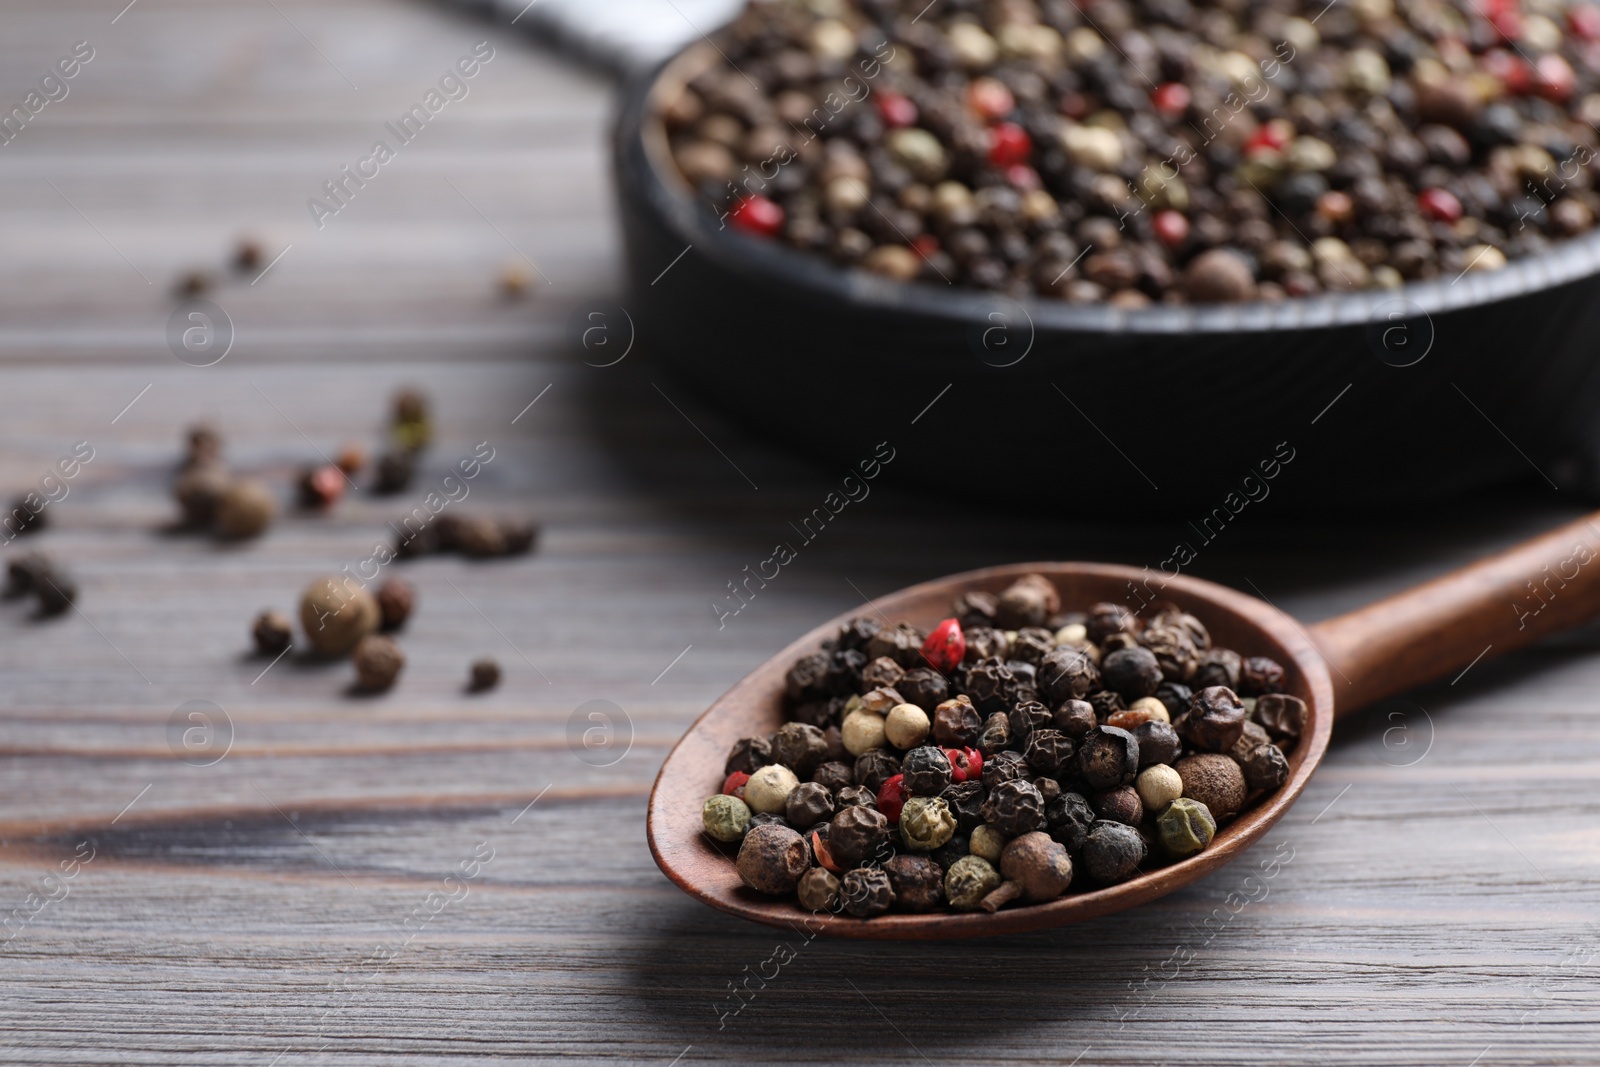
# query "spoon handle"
(1528, 592)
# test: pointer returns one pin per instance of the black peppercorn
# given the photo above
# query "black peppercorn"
(947, 854)
(1112, 852)
(844, 671)
(1219, 666)
(975, 609)
(1031, 645)
(1075, 718)
(1108, 758)
(772, 858)
(917, 881)
(924, 687)
(989, 682)
(984, 643)
(1027, 717)
(818, 890)
(808, 677)
(1106, 703)
(1067, 673)
(858, 632)
(856, 834)
(23, 571)
(995, 735)
(1259, 675)
(483, 675)
(769, 818)
(395, 471)
(866, 892)
(1174, 697)
(1158, 742)
(1028, 601)
(1173, 648)
(1048, 788)
(956, 722)
(926, 771)
(1265, 768)
(807, 805)
(1006, 766)
(1214, 721)
(1132, 672)
(833, 776)
(1283, 716)
(273, 632)
(748, 755)
(1049, 751)
(1014, 808)
(855, 796)
(874, 767)
(799, 747)
(820, 713)
(24, 519)
(1119, 805)
(1068, 818)
(965, 800)
(1106, 619)
(55, 592)
(901, 643)
(882, 672)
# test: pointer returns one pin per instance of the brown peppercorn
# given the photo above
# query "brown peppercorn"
(832, 776)
(985, 643)
(1220, 276)
(1108, 758)
(748, 755)
(1106, 703)
(396, 599)
(1038, 864)
(874, 767)
(917, 881)
(245, 509)
(1075, 718)
(1218, 666)
(1174, 697)
(855, 796)
(1014, 807)
(866, 892)
(856, 834)
(956, 722)
(204, 445)
(1119, 805)
(1112, 852)
(378, 661)
(1283, 716)
(1029, 601)
(926, 771)
(1214, 780)
(484, 675)
(1259, 675)
(1254, 735)
(995, 735)
(1214, 720)
(273, 632)
(1265, 768)
(1067, 673)
(1132, 672)
(772, 859)
(336, 613)
(924, 687)
(198, 490)
(808, 804)
(818, 890)
(883, 672)
(799, 747)
(1049, 752)
(1174, 649)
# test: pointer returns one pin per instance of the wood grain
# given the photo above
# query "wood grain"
(1445, 874)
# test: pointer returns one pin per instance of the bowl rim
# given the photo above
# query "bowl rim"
(707, 873)
(645, 170)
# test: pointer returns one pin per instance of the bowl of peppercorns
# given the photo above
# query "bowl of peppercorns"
(1098, 223)
(1004, 750)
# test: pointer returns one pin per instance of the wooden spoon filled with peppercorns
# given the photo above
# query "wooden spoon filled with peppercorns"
(1027, 746)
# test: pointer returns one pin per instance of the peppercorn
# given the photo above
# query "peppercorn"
(410, 421)
(974, 609)
(845, 667)
(853, 796)
(927, 771)
(924, 687)
(1112, 852)
(204, 445)
(351, 458)
(1174, 648)
(1258, 675)
(1031, 645)
(1028, 601)
(749, 754)
(245, 509)
(1107, 758)
(1254, 734)
(1005, 766)
(772, 859)
(995, 735)
(987, 842)
(1106, 618)
(906, 726)
(198, 490)
(1159, 786)
(985, 643)
(1218, 666)
(1214, 780)
(858, 632)
(1214, 720)
(378, 661)
(875, 767)
(867, 891)
(55, 591)
(1074, 718)
(769, 818)
(1048, 752)
(1014, 807)
(1186, 827)
(990, 683)
(807, 805)
(946, 646)
(918, 882)
(1132, 672)
(725, 818)
(1174, 697)
(833, 776)
(818, 890)
(965, 801)
(321, 486)
(874, 701)
(733, 785)
(1067, 673)
(892, 798)
(1158, 743)
(272, 632)
(769, 788)
(1283, 716)
(820, 713)
(1265, 768)
(926, 823)
(882, 671)
(1068, 819)
(862, 732)
(336, 613)
(1026, 717)
(1122, 805)
(799, 747)
(396, 599)
(1106, 703)
(956, 722)
(901, 643)
(968, 881)
(966, 764)
(483, 675)
(395, 471)
(856, 834)
(23, 572)
(1038, 864)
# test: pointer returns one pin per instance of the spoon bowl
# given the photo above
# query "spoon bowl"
(1376, 652)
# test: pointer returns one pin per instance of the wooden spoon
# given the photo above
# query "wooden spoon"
(1499, 604)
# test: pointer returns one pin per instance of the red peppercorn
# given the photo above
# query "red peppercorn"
(990, 98)
(1585, 21)
(892, 798)
(1009, 144)
(1024, 177)
(758, 215)
(966, 764)
(1171, 99)
(1508, 23)
(322, 487)
(1171, 228)
(1439, 204)
(945, 647)
(820, 848)
(896, 109)
(1554, 78)
(925, 245)
(1274, 135)
(733, 785)
(1511, 70)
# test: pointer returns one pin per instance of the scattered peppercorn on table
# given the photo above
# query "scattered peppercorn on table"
(431, 876)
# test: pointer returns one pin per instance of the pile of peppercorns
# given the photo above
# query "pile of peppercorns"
(1061, 751)
(1132, 151)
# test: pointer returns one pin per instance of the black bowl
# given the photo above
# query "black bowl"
(1388, 398)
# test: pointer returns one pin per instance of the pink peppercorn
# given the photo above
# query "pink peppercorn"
(966, 764)
(1171, 99)
(946, 646)
(1171, 228)
(733, 785)
(892, 797)
(1009, 144)
(757, 215)
(1439, 204)
(896, 109)
(990, 98)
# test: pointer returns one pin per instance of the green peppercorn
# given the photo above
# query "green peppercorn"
(987, 843)
(1186, 827)
(968, 881)
(725, 817)
(926, 823)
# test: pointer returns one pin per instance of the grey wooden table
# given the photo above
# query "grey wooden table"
(1431, 900)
